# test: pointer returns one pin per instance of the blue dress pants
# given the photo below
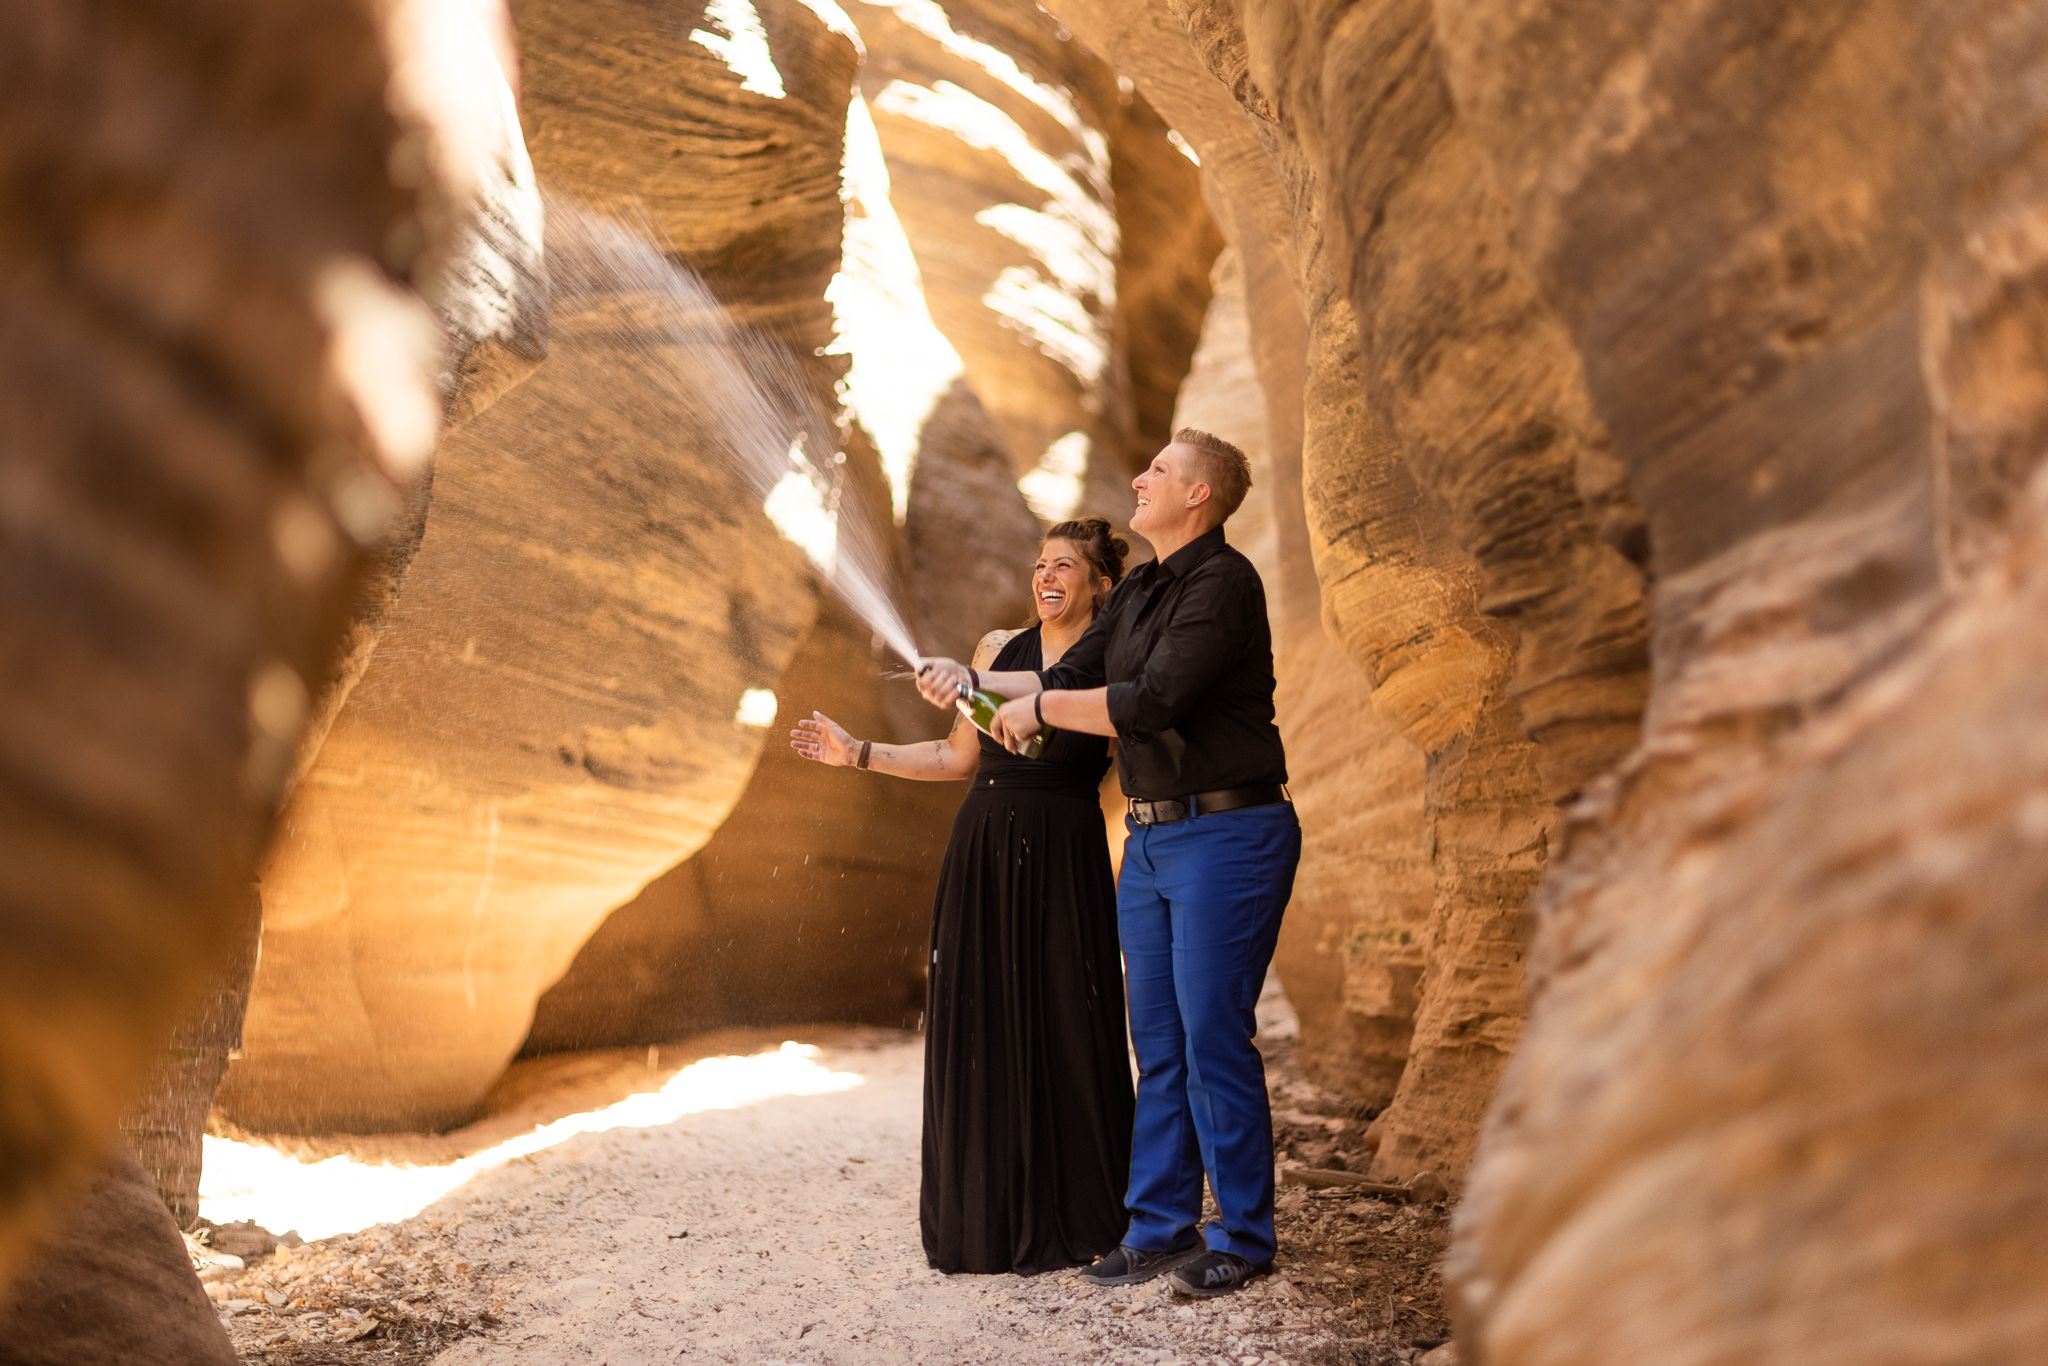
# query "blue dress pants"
(1198, 908)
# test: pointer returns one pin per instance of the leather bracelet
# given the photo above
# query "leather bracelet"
(1038, 707)
(973, 680)
(866, 749)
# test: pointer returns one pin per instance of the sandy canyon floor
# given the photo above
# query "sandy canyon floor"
(781, 1227)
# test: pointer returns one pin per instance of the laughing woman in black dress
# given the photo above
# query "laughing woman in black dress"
(1027, 1084)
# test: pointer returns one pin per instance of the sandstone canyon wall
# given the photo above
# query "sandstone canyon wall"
(1468, 534)
(218, 385)
(551, 722)
(1781, 1094)
(1000, 172)
(552, 715)
(1646, 403)
(1352, 946)
(1683, 519)
(1008, 262)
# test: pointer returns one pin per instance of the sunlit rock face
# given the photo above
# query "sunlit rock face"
(980, 231)
(811, 902)
(1014, 159)
(596, 647)
(215, 382)
(480, 271)
(813, 899)
(1781, 1096)
(556, 709)
(1169, 242)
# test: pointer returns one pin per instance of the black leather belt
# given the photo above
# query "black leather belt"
(1168, 811)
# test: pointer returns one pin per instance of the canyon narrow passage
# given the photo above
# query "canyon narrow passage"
(782, 1229)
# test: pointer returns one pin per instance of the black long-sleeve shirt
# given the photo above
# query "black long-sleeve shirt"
(1187, 653)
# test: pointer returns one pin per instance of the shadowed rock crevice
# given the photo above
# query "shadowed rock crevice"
(114, 1286)
(165, 1124)
(1168, 244)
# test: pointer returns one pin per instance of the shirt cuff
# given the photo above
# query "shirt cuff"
(1122, 701)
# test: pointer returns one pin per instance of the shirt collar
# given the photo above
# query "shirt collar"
(1182, 561)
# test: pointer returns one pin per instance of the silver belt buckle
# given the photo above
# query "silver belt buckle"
(1158, 813)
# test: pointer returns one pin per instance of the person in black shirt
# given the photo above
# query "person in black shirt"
(1179, 667)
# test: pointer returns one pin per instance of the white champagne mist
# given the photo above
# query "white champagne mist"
(738, 392)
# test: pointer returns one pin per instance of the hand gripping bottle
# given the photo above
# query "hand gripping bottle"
(979, 706)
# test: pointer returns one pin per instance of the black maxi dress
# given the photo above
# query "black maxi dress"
(1027, 1083)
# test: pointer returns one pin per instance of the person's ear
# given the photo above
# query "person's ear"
(1199, 495)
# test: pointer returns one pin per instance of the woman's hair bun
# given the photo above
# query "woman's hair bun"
(1104, 549)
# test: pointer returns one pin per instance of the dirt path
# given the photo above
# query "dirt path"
(785, 1230)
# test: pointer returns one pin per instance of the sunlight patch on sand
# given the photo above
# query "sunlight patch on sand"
(341, 1194)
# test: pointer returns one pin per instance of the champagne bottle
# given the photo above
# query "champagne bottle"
(979, 706)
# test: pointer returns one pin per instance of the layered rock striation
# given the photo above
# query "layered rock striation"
(1698, 292)
(1031, 189)
(1669, 408)
(1669, 403)
(1780, 1054)
(1353, 944)
(1470, 535)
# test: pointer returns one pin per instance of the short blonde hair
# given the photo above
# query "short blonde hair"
(1226, 470)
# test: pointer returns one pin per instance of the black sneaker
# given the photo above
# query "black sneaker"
(1215, 1273)
(1127, 1265)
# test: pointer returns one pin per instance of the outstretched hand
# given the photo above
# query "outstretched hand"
(940, 680)
(819, 737)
